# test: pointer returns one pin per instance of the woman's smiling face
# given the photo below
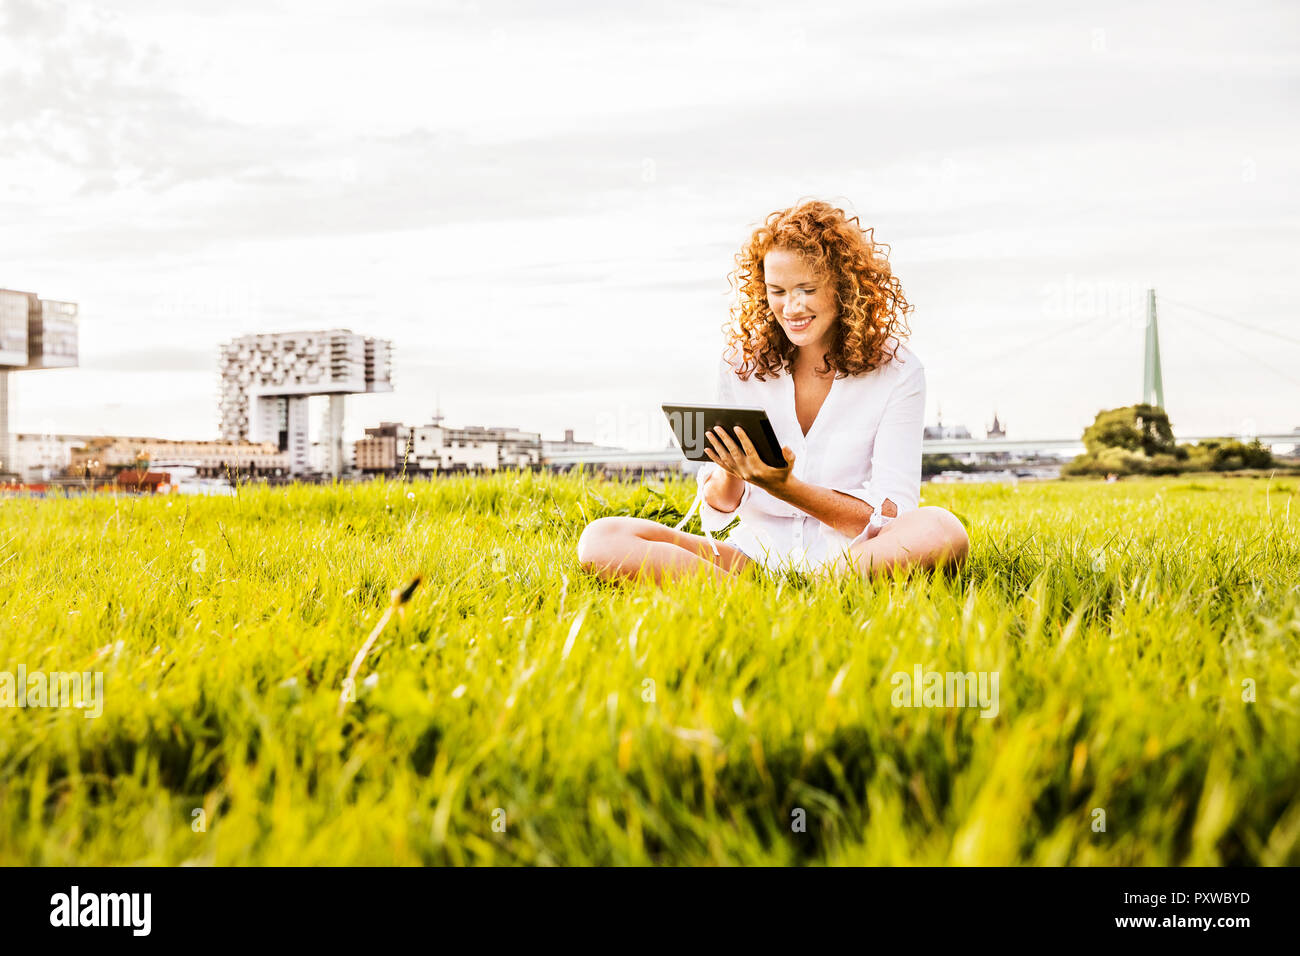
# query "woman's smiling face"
(802, 301)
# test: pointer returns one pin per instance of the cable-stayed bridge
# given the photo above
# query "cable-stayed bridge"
(1152, 394)
(931, 446)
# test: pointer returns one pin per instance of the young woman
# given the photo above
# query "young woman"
(820, 312)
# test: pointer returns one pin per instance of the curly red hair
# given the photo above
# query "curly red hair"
(873, 309)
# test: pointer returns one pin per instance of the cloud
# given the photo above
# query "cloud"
(154, 360)
(574, 180)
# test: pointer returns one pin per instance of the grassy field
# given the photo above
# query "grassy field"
(519, 711)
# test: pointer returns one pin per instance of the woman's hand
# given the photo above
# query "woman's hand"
(739, 458)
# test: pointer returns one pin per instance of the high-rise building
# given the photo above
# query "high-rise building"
(35, 333)
(14, 307)
(51, 334)
(267, 379)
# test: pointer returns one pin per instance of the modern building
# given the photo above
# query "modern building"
(475, 448)
(391, 446)
(439, 447)
(385, 449)
(107, 454)
(35, 333)
(267, 379)
(42, 457)
(320, 457)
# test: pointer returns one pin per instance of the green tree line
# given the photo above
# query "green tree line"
(1139, 440)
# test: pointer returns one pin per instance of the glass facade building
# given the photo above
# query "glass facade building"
(34, 333)
(13, 328)
(267, 379)
(51, 334)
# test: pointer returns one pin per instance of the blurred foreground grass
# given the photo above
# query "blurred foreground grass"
(520, 711)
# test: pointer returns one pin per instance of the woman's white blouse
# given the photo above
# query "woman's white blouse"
(865, 442)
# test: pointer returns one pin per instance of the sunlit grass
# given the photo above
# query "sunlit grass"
(524, 712)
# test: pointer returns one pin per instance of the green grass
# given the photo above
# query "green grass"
(1122, 620)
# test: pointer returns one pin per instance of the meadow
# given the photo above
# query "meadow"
(1145, 635)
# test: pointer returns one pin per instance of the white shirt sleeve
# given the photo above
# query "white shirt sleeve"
(711, 519)
(896, 455)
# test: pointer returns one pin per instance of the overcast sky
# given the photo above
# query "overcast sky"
(539, 202)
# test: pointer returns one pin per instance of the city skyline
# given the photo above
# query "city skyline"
(548, 252)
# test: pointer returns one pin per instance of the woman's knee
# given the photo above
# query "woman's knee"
(922, 537)
(597, 536)
(954, 542)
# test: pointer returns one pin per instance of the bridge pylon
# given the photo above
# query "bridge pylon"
(1153, 386)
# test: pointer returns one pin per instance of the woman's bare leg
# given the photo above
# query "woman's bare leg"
(624, 547)
(924, 538)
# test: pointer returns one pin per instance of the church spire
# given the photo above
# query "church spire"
(997, 429)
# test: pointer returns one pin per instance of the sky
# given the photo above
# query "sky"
(540, 203)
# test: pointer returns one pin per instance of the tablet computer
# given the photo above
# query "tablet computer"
(691, 423)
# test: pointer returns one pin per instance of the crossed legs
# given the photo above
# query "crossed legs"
(623, 547)
(925, 537)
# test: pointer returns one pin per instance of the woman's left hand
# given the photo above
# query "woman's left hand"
(739, 457)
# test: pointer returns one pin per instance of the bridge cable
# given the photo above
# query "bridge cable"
(1228, 318)
(1253, 358)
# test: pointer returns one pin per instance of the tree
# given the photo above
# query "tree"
(933, 464)
(1229, 454)
(1136, 428)
(1138, 439)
